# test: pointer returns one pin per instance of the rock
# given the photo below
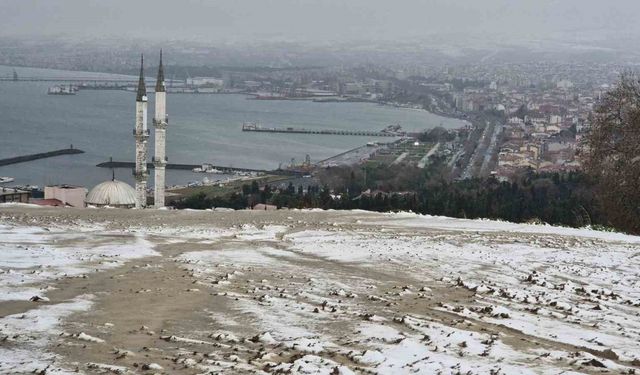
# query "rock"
(120, 354)
(39, 299)
(84, 337)
(107, 368)
(151, 366)
(609, 354)
(264, 338)
(369, 357)
(594, 362)
(341, 370)
(340, 293)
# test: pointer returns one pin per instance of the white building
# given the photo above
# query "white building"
(205, 81)
(73, 196)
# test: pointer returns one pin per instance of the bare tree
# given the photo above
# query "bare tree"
(613, 153)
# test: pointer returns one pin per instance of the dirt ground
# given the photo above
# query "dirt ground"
(232, 292)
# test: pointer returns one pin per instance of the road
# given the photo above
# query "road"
(475, 162)
(425, 160)
(490, 151)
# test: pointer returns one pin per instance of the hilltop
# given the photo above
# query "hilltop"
(328, 292)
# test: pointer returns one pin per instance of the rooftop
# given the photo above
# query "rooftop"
(112, 193)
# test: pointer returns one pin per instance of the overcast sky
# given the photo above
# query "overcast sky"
(246, 20)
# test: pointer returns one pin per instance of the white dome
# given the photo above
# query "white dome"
(112, 193)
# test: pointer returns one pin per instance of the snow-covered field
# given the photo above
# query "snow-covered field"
(314, 293)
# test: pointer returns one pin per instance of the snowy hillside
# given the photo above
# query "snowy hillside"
(312, 292)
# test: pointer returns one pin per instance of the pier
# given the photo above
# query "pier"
(189, 167)
(90, 82)
(77, 79)
(43, 155)
(365, 133)
(70, 79)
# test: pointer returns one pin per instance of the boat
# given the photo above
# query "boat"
(28, 187)
(206, 168)
(394, 128)
(62, 90)
(6, 180)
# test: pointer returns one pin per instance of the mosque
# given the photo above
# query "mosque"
(116, 193)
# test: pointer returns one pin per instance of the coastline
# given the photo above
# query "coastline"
(205, 128)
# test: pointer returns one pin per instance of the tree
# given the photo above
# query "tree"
(613, 153)
(255, 188)
(291, 189)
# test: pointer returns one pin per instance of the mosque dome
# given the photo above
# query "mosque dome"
(112, 193)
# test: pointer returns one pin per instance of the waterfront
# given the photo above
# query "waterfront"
(202, 128)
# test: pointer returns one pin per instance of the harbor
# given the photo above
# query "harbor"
(208, 129)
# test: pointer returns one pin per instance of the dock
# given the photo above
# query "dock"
(364, 133)
(189, 167)
(43, 155)
(77, 80)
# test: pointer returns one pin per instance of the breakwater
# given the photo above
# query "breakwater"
(189, 167)
(42, 155)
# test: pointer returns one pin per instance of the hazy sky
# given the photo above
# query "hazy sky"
(242, 20)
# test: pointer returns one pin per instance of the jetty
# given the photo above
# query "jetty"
(190, 167)
(250, 127)
(75, 79)
(42, 155)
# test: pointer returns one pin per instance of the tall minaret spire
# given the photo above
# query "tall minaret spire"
(160, 122)
(160, 80)
(141, 135)
(142, 88)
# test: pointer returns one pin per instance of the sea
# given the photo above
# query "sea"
(203, 128)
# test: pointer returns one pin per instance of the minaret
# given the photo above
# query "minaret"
(160, 122)
(141, 134)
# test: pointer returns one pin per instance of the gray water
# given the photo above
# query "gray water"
(202, 129)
